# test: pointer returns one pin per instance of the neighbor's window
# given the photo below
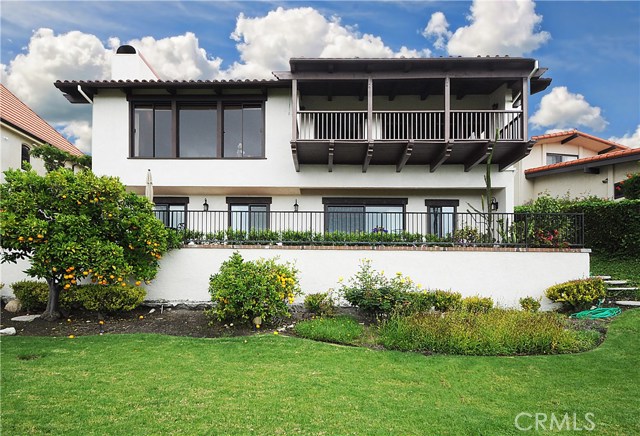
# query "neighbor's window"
(554, 158)
(364, 214)
(441, 216)
(249, 213)
(172, 211)
(25, 157)
(202, 130)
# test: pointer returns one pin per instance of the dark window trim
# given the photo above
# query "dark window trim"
(171, 200)
(24, 147)
(364, 202)
(250, 201)
(442, 203)
(175, 103)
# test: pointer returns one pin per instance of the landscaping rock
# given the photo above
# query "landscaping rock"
(9, 331)
(25, 318)
(628, 303)
(13, 306)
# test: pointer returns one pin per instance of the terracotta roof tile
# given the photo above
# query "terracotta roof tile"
(597, 158)
(584, 135)
(15, 112)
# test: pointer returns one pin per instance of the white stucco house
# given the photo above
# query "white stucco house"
(346, 146)
(574, 164)
(21, 129)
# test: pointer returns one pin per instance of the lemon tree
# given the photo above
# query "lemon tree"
(78, 227)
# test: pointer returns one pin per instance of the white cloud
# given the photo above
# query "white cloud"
(496, 28)
(267, 43)
(438, 28)
(629, 139)
(561, 109)
(177, 57)
(80, 133)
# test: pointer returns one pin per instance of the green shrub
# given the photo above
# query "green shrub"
(375, 294)
(530, 304)
(338, 330)
(444, 301)
(577, 294)
(495, 332)
(112, 298)
(631, 187)
(477, 303)
(33, 295)
(417, 302)
(320, 303)
(243, 290)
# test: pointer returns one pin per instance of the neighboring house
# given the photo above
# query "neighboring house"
(21, 130)
(574, 164)
(372, 139)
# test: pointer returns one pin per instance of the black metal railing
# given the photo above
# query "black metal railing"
(377, 228)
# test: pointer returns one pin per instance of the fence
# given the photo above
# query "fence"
(371, 228)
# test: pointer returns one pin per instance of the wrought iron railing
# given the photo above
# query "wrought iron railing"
(375, 228)
(407, 125)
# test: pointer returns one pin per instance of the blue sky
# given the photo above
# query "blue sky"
(592, 49)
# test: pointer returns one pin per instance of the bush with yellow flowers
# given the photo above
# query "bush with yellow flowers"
(244, 290)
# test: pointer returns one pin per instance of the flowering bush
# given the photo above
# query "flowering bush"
(320, 303)
(374, 293)
(577, 294)
(244, 290)
(631, 186)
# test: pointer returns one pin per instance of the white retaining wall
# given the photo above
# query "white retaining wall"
(503, 275)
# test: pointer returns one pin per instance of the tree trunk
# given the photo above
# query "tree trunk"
(52, 312)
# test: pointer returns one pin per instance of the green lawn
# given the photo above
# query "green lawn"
(268, 385)
(620, 268)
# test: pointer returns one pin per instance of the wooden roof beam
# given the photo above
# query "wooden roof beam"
(444, 154)
(408, 149)
(332, 148)
(519, 152)
(569, 138)
(294, 153)
(367, 157)
(478, 156)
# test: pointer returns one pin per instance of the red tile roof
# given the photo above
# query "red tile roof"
(569, 133)
(599, 159)
(18, 114)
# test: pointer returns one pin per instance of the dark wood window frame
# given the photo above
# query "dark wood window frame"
(219, 102)
(250, 201)
(364, 202)
(173, 201)
(438, 204)
(25, 156)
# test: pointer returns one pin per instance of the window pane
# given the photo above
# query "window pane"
(177, 216)
(240, 217)
(143, 132)
(233, 131)
(442, 220)
(258, 217)
(381, 218)
(198, 132)
(252, 132)
(163, 132)
(345, 219)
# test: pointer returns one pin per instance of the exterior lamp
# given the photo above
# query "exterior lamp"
(205, 205)
(494, 203)
(295, 206)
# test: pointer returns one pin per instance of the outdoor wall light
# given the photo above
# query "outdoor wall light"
(494, 203)
(205, 205)
(295, 206)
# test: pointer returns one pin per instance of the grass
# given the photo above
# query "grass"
(267, 384)
(495, 332)
(619, 268)
(339, 330)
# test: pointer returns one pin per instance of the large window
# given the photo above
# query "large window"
(441, 217)
(554, 158)
(248, 213)
(172, 211)
(205, 130)
(364, 214)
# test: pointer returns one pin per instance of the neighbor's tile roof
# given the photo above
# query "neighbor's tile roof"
(19, 115)
(577, 133)
(598, 160)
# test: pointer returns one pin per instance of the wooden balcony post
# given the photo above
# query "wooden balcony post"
(369, 109)
(294, 109)
(525, 108)
(447, 109)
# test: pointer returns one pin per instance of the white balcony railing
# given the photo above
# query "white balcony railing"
(407, 125)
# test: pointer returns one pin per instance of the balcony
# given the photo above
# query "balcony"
(377, 228)
(400, 138)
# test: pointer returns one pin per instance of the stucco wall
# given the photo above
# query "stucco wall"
(11, 151)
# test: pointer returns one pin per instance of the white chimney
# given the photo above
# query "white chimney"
(129, 64)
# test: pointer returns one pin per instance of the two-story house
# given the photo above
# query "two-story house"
(364, 141)
(332, 146)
